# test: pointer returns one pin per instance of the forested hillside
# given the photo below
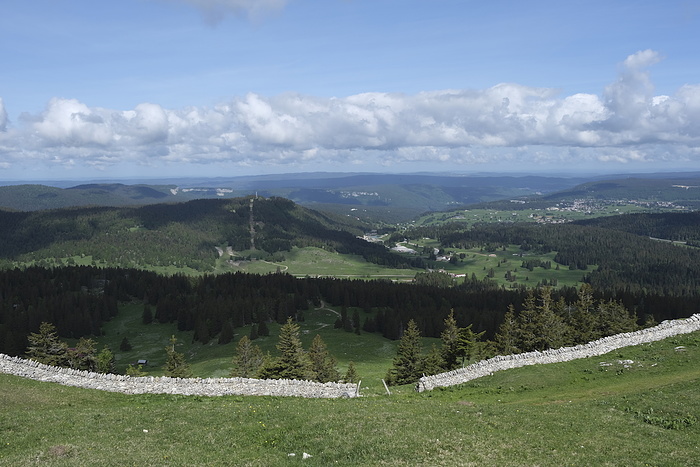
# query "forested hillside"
(672, 226)
(185, 234)
(78, 300)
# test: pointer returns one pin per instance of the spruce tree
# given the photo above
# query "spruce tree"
(105, 361)
(263, 330)
(253, 332)
(45, 346)
(583, 319)
(125, 345)
(467, 342)
(407, 363)
(83, 356)
(175, 365)
(147, 315)
(507, 340)
(248, 359)
(323, 363)
(351, 375)
(226, 334)
(449, 351)
(293, 362)
(433, 363)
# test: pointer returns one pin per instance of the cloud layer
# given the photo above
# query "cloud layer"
(507, 122)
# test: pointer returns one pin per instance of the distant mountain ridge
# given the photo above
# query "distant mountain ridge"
(192, 234)
(410, 194)
(372, 197)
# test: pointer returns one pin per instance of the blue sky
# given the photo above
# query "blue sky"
(147, 88)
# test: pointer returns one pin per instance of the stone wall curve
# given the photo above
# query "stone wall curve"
(165, 385)
(599, 347)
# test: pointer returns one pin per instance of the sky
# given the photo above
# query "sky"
(175, 88)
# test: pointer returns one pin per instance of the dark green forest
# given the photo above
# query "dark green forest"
(79, 299)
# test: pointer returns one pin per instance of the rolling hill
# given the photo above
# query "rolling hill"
(192, 234)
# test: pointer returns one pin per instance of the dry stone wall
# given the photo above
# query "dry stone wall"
(564, 354)
(165, 385)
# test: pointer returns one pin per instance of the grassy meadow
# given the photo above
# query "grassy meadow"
(634, 406)
(371, 353)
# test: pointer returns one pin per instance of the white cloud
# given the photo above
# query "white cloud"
(507, 122)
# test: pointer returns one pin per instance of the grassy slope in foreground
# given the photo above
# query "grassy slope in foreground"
(634, 406)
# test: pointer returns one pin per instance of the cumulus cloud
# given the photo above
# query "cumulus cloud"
(215, 11)
(507, 122)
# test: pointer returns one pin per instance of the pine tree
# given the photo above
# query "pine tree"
(147, 315)
(323, 363)
(248, 360)
(583, 317)
(356, 321)
(507, 340)
(45, 346)
(450, 343)
(433, 363)
(83, 355)
(407, 363)
(226, 334)
(467, 342)
(135, 371)
(293, 362)
(125, 345)
(175, 365)
(105, 361)
(614, 318)
(263, 330)
(552, 330)
(351, 375)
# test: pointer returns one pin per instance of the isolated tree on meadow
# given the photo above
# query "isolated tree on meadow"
(351, 375)
(45, 346)
(175, 365)
(125, 345)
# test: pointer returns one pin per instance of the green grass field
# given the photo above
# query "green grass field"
(317, 262)
(479, 262)
(634, 407)
(372, 354)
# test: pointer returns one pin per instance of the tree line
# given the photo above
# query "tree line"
(79, 299)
